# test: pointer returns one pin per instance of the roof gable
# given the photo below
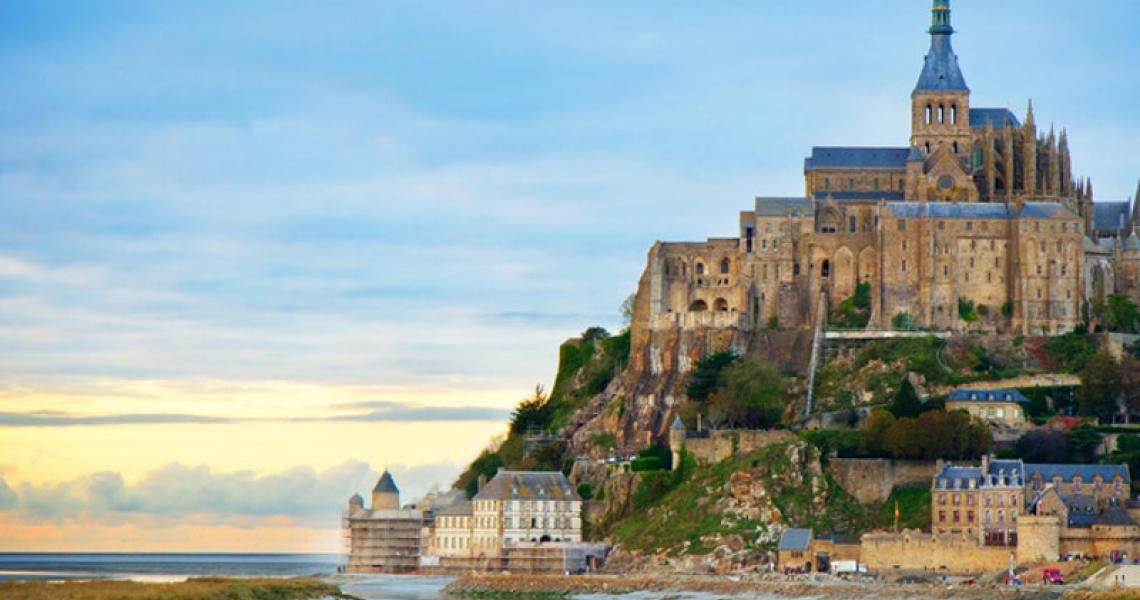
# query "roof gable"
(856, 157)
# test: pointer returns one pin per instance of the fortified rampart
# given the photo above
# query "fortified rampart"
(872, 479)
(714, 446)
(913, 549)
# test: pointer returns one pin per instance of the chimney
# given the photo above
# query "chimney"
(985, 464)
(482, 481)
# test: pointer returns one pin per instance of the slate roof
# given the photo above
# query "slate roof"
(998, 117)
(386, 484)
(856, 157)
(997, 395)
(855, 196)
(1067, 472)
(1114, 516)
(975, 210)
(778, 207)
(356, 499)
(1004, 472)
(940, 71)
(795, 539)
(1110, 216)
(460, 508)
(529, 485)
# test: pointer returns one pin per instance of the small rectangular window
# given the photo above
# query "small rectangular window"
(902, 224)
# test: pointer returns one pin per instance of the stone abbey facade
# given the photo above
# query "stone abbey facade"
(979, 206)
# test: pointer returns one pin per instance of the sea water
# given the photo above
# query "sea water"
(163, 566)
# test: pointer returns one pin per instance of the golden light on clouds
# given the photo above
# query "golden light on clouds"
(56, 440)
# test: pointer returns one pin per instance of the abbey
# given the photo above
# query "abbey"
(979, 207)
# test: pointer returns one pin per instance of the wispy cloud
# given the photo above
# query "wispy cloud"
(175, 489)
(369, 411)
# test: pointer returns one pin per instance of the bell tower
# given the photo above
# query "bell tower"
(940, 102)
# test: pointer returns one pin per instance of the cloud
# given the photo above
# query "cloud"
(8, 497)
(178, 490)
(370, 411)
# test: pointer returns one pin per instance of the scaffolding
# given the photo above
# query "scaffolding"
(385, 541)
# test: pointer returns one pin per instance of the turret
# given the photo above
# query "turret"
(355, 503)
(1030, 157)
(1136, 209)
(385, 496)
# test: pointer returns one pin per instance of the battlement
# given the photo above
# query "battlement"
(706, 319)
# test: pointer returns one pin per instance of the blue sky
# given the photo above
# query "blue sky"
(431, 196)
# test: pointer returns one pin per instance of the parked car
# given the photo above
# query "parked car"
(1052, 576)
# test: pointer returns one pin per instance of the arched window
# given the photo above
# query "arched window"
(927, 148)
(721, 305)
(724, 264)
(825, 268)
(698, 306)
(954, 114)
(929, 111)
(700, 268)
(955, 147)
(941, 114)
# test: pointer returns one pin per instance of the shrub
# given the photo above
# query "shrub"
(966, 310)
(1071, 350)
(645, 463)
(586, 491)
(903, 322)
(1007, 309)
(706, 371)
(773, 322)
(604, 440)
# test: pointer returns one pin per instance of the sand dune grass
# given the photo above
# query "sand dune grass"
(194, 589)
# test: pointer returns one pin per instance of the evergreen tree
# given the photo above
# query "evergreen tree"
(906, 402)
(1101, 386)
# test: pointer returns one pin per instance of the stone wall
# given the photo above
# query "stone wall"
(872, 479)
(721, 444)
(1038, 538)
(913, 549)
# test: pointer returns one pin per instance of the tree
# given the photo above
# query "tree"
(752, 393)
(1121, 313)
(1083, 442)
(876, 426)
(1042, 446)
(906, 402)
(1130, 383)
(1101, 386)
(532, 413)
(706, 371)
(626, 309)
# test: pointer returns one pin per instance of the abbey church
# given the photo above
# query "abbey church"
(979, 207)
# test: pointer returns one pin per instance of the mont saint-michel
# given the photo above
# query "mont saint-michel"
(594, 300)
(924, 364)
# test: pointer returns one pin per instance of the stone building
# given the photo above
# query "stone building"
(527, 520)
(977, 223)
(998, 406)
(383, 538)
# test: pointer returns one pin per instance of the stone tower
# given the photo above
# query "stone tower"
(940, 102)
(385, 496)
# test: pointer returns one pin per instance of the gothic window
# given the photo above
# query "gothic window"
(700, 268)
(851, 221)
(721, 305)
(928, 147)
(851, 184)
(929, 111)
(827, 183)
(954, 119)
(945, 271)
(903, 266)
(955, 146)
(724, 264)
(941, 113)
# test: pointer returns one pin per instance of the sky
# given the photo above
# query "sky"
(254, 253)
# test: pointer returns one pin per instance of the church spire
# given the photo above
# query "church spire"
(941, 72)
(1029, 114)
(940, 18)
